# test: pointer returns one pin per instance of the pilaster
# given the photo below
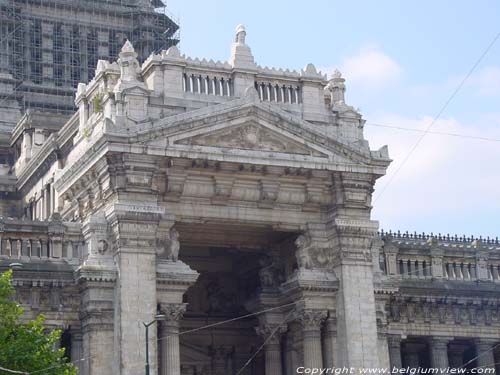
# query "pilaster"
(394, 345)
(356, 312)
(135, 232)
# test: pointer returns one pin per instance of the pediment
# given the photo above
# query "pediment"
(250, 136)
(242, 129)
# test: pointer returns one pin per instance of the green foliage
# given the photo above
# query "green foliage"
(97, 103)
(27, 347)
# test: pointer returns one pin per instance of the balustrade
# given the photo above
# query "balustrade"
(278, 93)
(201, 84)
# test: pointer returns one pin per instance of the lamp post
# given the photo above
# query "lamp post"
(146, 326)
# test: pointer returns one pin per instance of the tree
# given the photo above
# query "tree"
(27, 347)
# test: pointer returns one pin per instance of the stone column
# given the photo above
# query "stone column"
(455, 355)
(439, 352)
(486, 358)
(394, 343)
(271, 335)
(412, 360)
(329, 342)
(76, 349)
(311, 321)
(170, 358)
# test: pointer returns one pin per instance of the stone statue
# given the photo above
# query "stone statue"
(269, 274)
(303, 258)
(172, 247)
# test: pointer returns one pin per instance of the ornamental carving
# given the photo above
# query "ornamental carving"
(270, 274)
(311, 319)
(271, 333)
(173, 311)
(249, 137)
(309, 256)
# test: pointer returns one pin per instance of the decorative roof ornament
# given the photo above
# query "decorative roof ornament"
(336, 87)
(336, 74)
(173, 52)
(127, 48)
(240, 34)
(241, 54)
(129, 65)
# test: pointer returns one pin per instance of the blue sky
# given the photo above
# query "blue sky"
(402, 60)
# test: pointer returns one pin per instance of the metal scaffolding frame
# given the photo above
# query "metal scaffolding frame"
(48, 46)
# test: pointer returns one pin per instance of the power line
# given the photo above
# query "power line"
(188, 331)
(432, 132)
(443, 108)
(271, 335)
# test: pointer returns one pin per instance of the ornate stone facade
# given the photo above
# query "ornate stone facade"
(231, 202)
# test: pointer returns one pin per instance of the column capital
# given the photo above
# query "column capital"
(173, 311)
(394, 341)
(311, 319)
(271, 332)
(440, 341)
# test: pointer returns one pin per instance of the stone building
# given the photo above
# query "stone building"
(232, 202)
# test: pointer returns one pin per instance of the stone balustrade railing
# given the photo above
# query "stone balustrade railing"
(27, 240)
(454, 258)
(207, 84)
(279, 93)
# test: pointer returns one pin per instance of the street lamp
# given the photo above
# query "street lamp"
(146, 326)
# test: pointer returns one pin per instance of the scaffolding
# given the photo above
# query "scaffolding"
(48, 46)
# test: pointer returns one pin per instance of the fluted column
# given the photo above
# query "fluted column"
(394, 343)
(486, 358)
(271, 334)
(311, 321)
(439, 352)
(170, 359)
(455, 355)
(329, 341)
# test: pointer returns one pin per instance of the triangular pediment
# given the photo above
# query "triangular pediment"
(247, 129)
(250, 136)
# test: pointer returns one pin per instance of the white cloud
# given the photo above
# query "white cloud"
(448, 184)
(487, 81)
(371, 67)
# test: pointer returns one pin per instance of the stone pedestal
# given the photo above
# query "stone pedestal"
(311, 321)
(439, 352)
(170, 360)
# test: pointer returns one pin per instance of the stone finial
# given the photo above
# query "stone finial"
(336, 87)
(129, 65)
(127, 48)
(240, 34)
(241, 54)
(310, 69)
(173, 52)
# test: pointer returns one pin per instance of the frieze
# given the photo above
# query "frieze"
(443, 313)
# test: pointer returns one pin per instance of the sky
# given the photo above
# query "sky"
(402, 61)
